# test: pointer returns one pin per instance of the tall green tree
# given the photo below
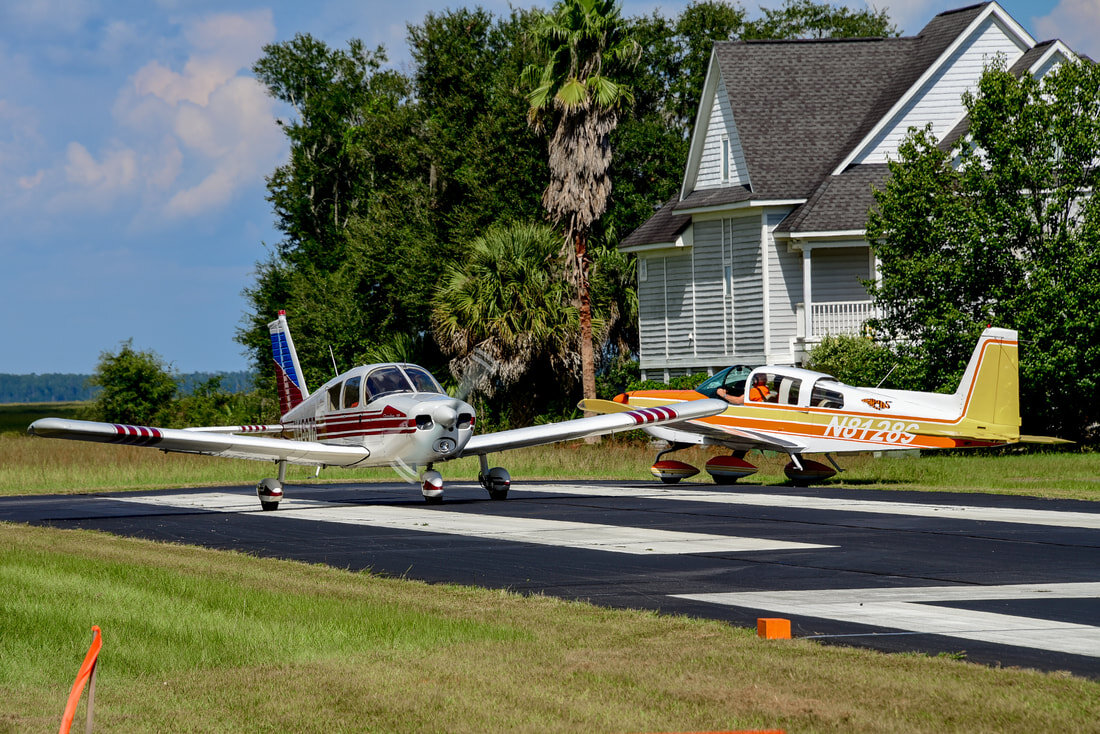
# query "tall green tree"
(133, 386)
(807, 19)
(359, 255)
(577, 94)
(505, 316)
(1003, 228)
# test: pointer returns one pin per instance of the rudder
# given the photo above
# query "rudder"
(990, 387)
(289, 380)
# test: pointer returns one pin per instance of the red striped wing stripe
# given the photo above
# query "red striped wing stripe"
(650, 415)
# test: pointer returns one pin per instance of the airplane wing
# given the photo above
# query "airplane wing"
(621, 420)
(269, 428)
(735, 438)
(259, 448)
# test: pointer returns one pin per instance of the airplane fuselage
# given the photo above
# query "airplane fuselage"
(395, 412)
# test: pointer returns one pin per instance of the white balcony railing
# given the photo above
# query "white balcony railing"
(838, 317)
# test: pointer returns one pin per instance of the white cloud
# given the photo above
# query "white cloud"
(1077, 22)
(195, 134)
(114, 173)
(237, 133)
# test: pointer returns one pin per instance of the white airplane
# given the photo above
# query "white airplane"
(374, 415)
(798, 412)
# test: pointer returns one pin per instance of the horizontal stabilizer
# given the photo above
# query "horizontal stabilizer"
(1043, 439)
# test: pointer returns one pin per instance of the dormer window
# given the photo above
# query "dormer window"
(725, 159)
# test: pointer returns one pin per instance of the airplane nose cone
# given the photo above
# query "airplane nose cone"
(446, 416)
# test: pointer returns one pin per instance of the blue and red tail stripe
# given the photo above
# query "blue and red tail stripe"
(288, 374)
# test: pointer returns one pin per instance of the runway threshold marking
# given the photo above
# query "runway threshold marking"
(591, 536)
(1056, 518)
(913, 609)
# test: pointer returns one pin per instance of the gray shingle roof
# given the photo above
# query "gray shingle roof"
(663, 227)
(801, 106)
(840, 203)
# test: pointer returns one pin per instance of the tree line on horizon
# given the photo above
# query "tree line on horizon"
(64, 387)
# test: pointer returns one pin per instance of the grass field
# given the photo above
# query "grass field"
(31, 465)
(199, 640)
(15, 417)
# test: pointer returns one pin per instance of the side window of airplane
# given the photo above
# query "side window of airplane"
(351, 392)
(825, 395)
(763, 387)
(334, 397)
(788, 390)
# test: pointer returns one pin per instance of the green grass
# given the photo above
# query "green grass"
(32, 465)
(15, 417)
(200, 640)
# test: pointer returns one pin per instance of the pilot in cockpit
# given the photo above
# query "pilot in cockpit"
(757, 393)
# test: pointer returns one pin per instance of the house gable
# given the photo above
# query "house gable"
(936, 96)
(722, 159)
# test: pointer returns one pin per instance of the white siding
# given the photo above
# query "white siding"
(709, 260)
(679, 305)
(939, 100)
(721, 125)
(651, 311)
(837, 274)
(748, 291)
(784, 293)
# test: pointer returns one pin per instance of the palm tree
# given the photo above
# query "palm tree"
(582, 42)
(504, 314)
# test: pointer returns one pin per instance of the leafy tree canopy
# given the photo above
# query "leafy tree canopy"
(133, 386)
(1002, 228)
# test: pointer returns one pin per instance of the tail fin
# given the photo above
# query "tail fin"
(288, 373)
(989, 392)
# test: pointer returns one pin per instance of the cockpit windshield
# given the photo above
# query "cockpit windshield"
(731, 378)
(392, 378)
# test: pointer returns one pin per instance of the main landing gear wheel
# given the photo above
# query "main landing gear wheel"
(270, 492)
(496, 481)
(804, 472)
(728, 469)
(671, 471)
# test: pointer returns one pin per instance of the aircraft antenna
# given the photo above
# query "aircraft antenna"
(887, 375)
(337, 371)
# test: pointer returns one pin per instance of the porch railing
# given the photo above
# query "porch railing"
(838, 317)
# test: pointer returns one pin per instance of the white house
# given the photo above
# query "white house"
(763, 251)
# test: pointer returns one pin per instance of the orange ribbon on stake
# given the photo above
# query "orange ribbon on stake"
(87, 672)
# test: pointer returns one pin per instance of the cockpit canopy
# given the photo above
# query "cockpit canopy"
(778, 385)
(365, 384)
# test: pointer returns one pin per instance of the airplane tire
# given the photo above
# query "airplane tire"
(434, 500)
(269, 506)
(670, 480)
(498, 494)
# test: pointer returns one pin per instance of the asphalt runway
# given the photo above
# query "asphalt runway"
(999, 580)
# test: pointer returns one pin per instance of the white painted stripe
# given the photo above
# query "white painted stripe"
(912, 609)
(1089, 520)
(591, 536)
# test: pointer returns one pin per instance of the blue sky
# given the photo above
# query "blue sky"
(134, 145)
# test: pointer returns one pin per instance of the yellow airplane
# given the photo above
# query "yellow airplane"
(798, 412)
